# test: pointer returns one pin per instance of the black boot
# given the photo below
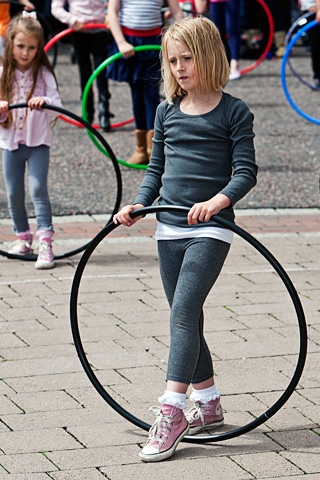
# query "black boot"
(104, 114)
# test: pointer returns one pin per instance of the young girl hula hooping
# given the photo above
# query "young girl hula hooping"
(25, 134)
(203, 157)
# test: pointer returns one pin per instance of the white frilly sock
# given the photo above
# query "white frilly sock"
(178, 400)
(204, 395)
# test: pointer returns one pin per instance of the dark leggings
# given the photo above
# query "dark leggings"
(145, 100)
(189, 269)
(95, 45)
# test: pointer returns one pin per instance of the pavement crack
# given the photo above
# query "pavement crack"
(73, 436)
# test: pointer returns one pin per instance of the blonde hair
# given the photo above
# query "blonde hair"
(202, 38)
(29, 26)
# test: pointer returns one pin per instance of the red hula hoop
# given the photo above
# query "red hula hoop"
(58, 37)
(269, 43)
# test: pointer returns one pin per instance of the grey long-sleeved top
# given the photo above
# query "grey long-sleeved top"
(194, 157)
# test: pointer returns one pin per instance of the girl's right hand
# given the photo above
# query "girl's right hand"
(123, 216)
(4, 106)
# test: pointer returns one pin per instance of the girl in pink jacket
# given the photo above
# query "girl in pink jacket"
(25, 134)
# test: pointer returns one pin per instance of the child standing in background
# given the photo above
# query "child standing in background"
(25, 134)
(136, 23)
(314, 37)
(203, 158)
(5, 19)
(88, 43)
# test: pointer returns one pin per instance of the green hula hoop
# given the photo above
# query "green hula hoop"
(86, 90)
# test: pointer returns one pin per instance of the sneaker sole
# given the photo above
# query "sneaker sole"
(44, 266)
(157, 457)
(24, 254)
(208, 426)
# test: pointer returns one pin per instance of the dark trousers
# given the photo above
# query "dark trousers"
(95, 45)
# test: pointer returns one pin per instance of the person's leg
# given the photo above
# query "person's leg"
(81, 44)
(188, 278)
(151, 100)
(232, 10)
(188, 271)
(99, 47)
(38, 167)
(140, 155)
(14, 165)
(314, 35)
(217, 15)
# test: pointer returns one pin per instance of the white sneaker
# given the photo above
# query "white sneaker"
(235, 75)
(45, 258)
(21, 247)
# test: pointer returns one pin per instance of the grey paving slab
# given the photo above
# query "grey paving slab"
(259, 465)
(26, 464)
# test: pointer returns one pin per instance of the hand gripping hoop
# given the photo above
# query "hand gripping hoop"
(278, 269)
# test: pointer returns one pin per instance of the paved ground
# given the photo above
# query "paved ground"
(55, 425)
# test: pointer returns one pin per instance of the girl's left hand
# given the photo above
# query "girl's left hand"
(36, 103)
(202, 212)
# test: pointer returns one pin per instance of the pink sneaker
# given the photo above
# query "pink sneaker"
(22, 246)
(205, 415)
(45, 258)
(165, 434)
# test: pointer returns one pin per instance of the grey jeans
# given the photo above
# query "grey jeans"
(14, 167)
(189, 269)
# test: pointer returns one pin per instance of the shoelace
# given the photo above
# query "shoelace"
(197, 412)
(45, 251)
(161, 424)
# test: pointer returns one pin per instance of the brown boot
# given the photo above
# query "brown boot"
(149, 143)
(279, 40)
(140, 155)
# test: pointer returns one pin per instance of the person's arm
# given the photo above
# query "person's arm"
(113, 14)
(203, 211)
(58, 11)
(4, 109)
(51, 97)
(175, 11)
(318, 11)
(201, 6)
(27, 5)
(123, 216)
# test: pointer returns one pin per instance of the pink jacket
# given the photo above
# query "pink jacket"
(85, 11)
(31, 127)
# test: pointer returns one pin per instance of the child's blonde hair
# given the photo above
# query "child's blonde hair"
(29, 26)
(202, 38)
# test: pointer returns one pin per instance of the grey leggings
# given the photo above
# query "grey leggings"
(14, 167)
(189, 268)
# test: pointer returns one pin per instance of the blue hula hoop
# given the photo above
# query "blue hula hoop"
(300, 22)
(305, 28)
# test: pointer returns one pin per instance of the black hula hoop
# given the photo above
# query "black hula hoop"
(115, 166)
(273, 262)
(43, 22)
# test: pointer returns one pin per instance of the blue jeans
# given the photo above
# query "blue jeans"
(14, 167)
(225, 15)
(189, 269)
